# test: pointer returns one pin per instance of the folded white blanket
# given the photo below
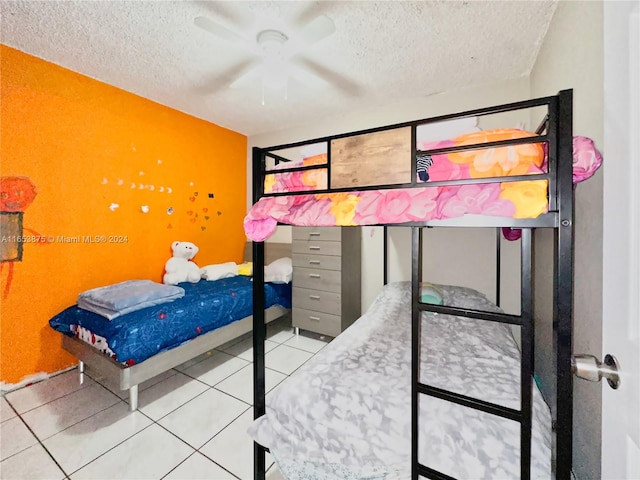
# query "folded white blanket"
(115, 300)
(218, 271)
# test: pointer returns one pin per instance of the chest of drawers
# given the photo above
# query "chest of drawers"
(326, 278)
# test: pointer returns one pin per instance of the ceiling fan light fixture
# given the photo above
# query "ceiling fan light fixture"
(275, 68)
(271, 43)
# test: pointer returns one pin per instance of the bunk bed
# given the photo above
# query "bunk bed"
(344, 188)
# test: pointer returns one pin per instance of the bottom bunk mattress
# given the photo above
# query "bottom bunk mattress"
(136, 336)
(346, 414)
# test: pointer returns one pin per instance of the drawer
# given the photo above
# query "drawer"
(325, 280)
(317, 233)
(316, 300)
(323, 262)
(318, 322)
(316, 247)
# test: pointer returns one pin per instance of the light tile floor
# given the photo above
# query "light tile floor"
(191, 422)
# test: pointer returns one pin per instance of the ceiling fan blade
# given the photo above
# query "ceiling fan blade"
(241, 19)
(218, 82)
(307, 11)
(317, 29)
(305, 77)
(218, 30)
(248, 74)
(349, 87)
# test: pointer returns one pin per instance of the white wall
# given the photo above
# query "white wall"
(447, 254)
(481, 274)
(572, 57)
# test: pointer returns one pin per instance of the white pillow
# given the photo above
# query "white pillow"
(279, 271)
(219, 270)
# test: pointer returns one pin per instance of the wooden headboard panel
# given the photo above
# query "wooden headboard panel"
(272, 251)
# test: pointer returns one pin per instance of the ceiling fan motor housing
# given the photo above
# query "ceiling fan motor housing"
(271, 42)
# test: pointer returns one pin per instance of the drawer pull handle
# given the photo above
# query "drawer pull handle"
(311, 317)
(314, 234)
(314, 275)
(314, 262)
(314, 297)
(314, 248)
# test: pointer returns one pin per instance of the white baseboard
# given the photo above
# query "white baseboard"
(28, 380)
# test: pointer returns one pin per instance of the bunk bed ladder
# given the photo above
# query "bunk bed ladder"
(525, 320)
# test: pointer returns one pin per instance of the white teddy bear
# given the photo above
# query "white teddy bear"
(179, 268)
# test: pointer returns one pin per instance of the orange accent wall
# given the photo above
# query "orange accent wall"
(87, 145)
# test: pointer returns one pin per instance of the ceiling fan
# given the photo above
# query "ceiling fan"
(276, 56)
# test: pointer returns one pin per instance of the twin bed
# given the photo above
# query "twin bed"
(417, 390)
(139, 345)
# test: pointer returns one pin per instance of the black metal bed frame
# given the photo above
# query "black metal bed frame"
(558, 126)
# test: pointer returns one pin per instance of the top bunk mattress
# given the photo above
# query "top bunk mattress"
(522, 199)
(346, 414)
(136, 336)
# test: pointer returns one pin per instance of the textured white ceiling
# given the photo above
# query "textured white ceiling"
(380, 52)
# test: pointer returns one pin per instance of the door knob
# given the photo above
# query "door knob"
(590, 368)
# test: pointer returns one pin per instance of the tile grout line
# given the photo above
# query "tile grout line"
(108, 450)
(16, 414)
(197, 450)
(232, 396)
(300, 350)
(190, 400)
(178, 407)
(243, 401)
(196, 363)
(106, 388)
(249, 406)
(41, 444)
(41, 441)
(295, 370)
(290, 346)
(50, 401)
(120, 400)
(231, 374)
(86, 418)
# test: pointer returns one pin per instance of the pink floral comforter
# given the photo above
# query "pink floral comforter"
(526, 199)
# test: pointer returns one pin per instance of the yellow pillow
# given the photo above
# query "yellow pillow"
(245, 269)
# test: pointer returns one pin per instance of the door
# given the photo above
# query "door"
(621, 239)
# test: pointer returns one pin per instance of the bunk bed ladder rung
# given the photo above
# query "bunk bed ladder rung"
(432, 474)
(470, 402)
(477, 314)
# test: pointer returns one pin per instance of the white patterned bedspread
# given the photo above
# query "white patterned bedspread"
(346, 414)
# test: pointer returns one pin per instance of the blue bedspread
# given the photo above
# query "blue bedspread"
(136, 336)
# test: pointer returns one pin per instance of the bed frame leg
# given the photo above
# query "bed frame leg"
(133, 398)
(296, 330)
(81, 371)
